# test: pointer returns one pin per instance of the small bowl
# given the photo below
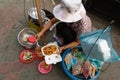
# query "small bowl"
(23, 36)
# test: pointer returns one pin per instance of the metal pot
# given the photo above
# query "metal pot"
(23, 36)
(33, 18)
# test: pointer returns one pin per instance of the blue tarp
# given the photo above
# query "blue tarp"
(98, 44)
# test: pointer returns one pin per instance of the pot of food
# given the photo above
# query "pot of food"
(26, 37)
(33, 18)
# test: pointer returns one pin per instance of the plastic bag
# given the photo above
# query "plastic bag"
(69, 60)
(77, 69)
(102, 52)
(97, 63)
(86, 69)
(80, 59)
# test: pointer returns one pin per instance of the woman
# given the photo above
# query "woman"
(73, 13)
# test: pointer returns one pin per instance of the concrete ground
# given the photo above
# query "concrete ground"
(12, 21)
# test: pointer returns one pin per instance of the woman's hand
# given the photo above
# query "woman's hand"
(61, 49)
(38, 35)
(71, 45)
(45, 28)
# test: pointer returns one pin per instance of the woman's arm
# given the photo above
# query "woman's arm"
(46, 27)
(71, 45)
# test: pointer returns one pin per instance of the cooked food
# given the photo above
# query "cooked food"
(44, 65)
(27, 55)
(25, 37)
(48, 50)
(68, 59)
(74, 50)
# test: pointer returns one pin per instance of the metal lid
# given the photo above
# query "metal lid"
(32, 12)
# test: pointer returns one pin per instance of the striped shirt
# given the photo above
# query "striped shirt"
(82, 26)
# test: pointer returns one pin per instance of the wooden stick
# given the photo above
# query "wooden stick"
(39, 13)
(40, 18)
(53, 2)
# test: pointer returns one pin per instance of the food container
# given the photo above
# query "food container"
(50, 48)
(23, 36)
(50, 52)
(53, 59)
